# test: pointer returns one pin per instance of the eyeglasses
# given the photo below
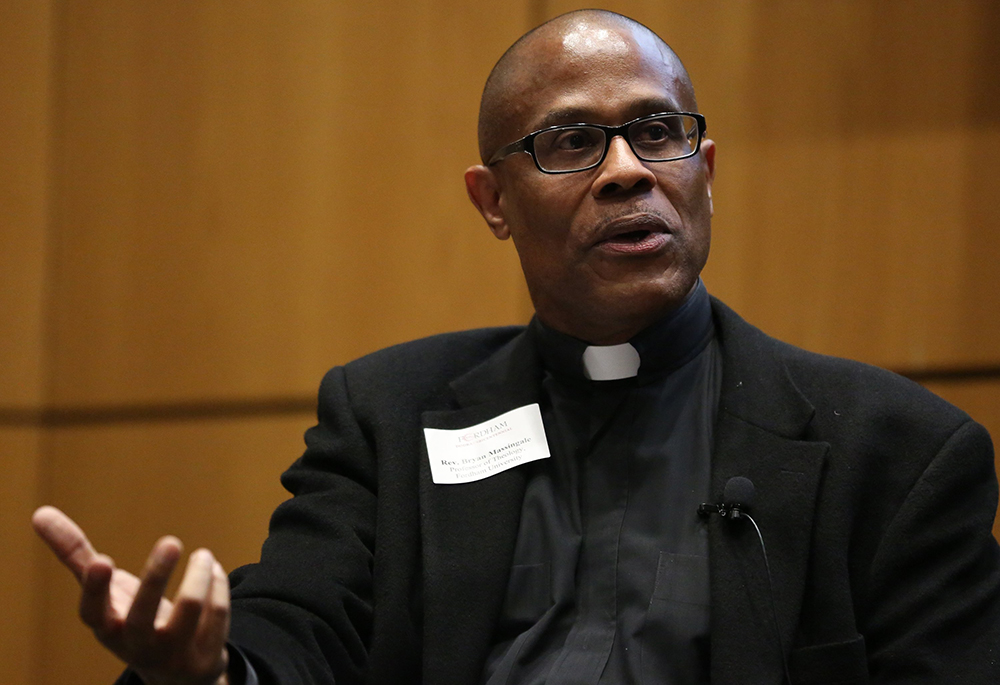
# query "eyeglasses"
(564, 149)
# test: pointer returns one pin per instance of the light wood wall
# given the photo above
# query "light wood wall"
(205, 205)
(25, 69)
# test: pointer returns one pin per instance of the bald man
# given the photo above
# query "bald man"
(587, 499)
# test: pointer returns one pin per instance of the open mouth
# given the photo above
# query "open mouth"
(638, 234)
(639, 241)
(631, 236)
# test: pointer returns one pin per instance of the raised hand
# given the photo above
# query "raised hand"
(166, 643)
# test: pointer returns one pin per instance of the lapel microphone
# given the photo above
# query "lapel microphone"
(737, 498)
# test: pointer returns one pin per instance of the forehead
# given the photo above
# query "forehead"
(598, 74)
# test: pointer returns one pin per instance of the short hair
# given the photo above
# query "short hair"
(500, 83)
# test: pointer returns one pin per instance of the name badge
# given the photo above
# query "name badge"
(486, 449)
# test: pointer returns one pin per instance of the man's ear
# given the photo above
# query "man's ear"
(484, 191)
(708, 153)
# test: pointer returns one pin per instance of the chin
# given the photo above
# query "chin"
(659, 294)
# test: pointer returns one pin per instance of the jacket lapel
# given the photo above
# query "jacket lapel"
(762, 422)
(469, 530)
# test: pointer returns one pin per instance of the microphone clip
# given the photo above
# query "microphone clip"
(706, 509)
(731, 511)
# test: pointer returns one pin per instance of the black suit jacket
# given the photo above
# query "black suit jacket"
(874, 497)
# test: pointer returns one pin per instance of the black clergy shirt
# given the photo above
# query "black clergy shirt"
(609, 582)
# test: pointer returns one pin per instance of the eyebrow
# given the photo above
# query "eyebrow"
(586, 115)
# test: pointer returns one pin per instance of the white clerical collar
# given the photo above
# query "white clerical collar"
(610, 362)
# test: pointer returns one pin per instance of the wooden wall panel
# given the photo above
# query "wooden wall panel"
(248, 192)
(981, 399)
(20, 591)
(25, 63)
(213, 483)
(859, 144)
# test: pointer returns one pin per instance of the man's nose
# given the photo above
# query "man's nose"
(621, 171)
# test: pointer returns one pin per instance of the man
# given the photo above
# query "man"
(522, 505)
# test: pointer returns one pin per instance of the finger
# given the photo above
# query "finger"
(213, 629)
(65, 538)
(159, 565)
(95, 598)
(191, 596)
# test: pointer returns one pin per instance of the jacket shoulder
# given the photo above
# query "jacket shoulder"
(420, 368)
(836, 386)
(448, 351)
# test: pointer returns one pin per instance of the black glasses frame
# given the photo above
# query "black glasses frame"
(527, 143)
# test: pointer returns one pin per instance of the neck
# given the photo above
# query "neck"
(663, 345)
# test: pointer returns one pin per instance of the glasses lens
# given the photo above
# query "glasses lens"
(669, 136)
(569, 148)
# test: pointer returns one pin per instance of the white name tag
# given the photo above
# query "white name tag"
(483, 450)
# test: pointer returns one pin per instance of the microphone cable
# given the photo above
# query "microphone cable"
(770, 594)
(736, 500)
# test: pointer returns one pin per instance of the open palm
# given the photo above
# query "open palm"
(165, 642)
